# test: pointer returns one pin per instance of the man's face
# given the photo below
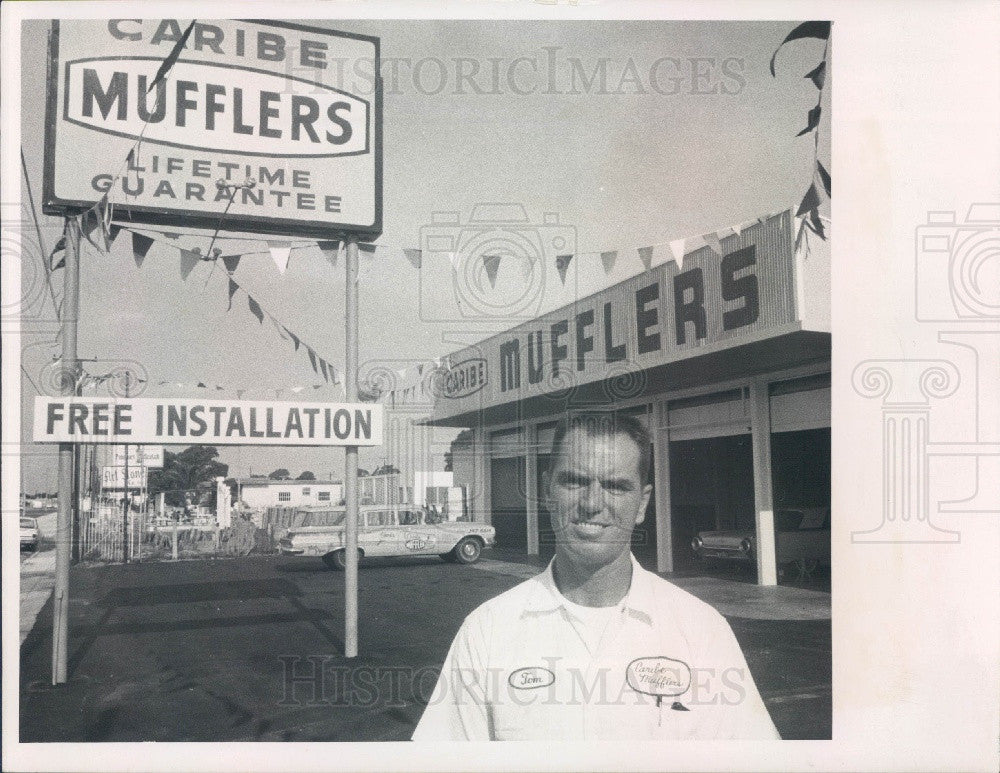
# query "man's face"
(596, 497)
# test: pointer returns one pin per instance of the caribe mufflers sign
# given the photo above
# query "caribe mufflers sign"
(295, 109)
(745, 290)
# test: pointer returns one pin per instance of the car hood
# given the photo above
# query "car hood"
(725, 536)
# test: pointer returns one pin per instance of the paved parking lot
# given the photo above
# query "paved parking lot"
(205, 650)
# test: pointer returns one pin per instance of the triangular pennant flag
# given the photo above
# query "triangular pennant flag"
(809, 201)
(312, 359)
(168, 62)
(677, 250)
(322, 368)
(255, 309)
(414, 256)
(189, 259)
(60, 247)
(113, 230)
(646, 256)
(367, 249)
(808, 29)
(818, 74)
(280, 251)
(317, 386)
(824, 176)
(231, 262)
(171, 235)
(233, 287)
(492, 265)
(103, 211)
(200, 385)
(278, 327)
(295, 338)
(296, 390)
(712, 240)
(453, 258)
(329, 250)
(277, 393)
(737, 229)
(89, 222)
(812, 120)
(562, 265)
(608, 259)
(815, 224)
(140, 246)
(240, 393)
(219, 388)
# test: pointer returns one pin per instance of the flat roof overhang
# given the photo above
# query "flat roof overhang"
(784, 351)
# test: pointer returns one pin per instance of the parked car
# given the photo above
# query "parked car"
(392, 531)
(29, 533)
(802, 536)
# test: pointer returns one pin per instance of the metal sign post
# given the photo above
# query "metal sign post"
(127, 506)
(64, 518)
(351, 455)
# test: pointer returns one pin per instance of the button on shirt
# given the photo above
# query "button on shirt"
(664, 666)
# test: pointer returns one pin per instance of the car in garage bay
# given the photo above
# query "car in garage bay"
(385, 531)
(802, 537)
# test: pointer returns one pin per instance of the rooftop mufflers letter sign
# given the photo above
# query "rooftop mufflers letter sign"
(295, 109)
(205, 422)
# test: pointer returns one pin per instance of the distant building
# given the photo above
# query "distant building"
(265, 492)
(424, 488)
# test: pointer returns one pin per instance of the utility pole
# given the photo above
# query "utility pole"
(64, 518)
(351, 455)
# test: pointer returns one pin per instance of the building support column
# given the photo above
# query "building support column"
(661, 490)
(760, 427)
(481, 502)
(531, 486)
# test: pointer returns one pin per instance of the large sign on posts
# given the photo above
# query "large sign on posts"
(206, 422)
(295, 109)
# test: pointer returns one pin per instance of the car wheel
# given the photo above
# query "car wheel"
(338, 559)
(468, 550)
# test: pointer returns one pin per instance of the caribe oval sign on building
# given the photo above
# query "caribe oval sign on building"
(297, 109)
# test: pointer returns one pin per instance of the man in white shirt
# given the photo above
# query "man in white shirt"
(595, 647)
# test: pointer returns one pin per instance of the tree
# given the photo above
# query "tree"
(188, 470)
(462, 441)
(306, 475)
(279, 474)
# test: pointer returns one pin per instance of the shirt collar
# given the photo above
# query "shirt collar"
(545, 596)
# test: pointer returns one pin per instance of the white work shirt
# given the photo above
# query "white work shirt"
(666, 667)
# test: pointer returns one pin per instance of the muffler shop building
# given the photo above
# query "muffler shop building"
(726, 359)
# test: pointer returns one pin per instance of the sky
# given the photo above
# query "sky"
(653, 153)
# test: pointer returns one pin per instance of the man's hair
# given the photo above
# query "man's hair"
(606, 424)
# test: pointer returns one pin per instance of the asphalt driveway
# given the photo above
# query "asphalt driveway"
(251, 649)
